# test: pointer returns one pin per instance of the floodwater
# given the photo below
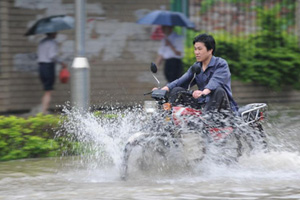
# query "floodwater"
(262, 175)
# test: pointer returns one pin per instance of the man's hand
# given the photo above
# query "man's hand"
(164, 88)
(197, 94)
(64, 65)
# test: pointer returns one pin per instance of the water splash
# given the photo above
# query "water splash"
(104, 138)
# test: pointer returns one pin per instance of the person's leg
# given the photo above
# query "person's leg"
(180, 96)
(47, 75)
(173, 69)
(218, 100)
(46, 101)
(175, 97)
(168, 71)
(178, 68)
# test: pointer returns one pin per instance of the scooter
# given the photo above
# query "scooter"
(191, 133)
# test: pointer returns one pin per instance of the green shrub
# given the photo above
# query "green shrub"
(30, 137)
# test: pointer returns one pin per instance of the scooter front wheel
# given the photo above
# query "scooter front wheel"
(141, 154)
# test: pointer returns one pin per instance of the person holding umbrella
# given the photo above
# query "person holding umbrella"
(47, 55)
(171, 51)
(172, 48)
(47, 52)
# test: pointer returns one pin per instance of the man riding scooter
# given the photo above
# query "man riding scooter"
(214, 80)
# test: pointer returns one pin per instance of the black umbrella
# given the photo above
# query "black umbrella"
(51, 24)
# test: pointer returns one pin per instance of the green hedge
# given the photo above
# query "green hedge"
(31, 137)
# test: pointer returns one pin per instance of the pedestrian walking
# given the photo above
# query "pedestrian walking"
(47, 54)
(171, 52)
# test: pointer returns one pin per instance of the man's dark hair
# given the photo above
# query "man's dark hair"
(208, 41)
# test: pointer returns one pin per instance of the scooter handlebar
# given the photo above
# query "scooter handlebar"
(147, 93)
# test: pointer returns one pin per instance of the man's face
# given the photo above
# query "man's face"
(201, 52)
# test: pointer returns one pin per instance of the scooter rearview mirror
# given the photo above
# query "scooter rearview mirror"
(196, 70)
(153, 68)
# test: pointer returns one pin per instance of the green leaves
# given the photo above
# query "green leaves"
(28, 138)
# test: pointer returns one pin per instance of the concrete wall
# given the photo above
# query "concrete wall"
(118, 49)
(252, 93)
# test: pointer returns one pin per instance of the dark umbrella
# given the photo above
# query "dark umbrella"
(51, 24)
(167, 18)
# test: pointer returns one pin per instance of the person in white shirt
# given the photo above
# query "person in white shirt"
(171, 51)
(47, 55)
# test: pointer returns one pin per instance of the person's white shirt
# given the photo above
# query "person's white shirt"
(166, 52)
(47, 51)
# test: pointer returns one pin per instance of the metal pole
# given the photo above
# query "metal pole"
(80, 76)
(184, 10)
(80, 27)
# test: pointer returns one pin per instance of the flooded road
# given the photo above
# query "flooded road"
(265, 175)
